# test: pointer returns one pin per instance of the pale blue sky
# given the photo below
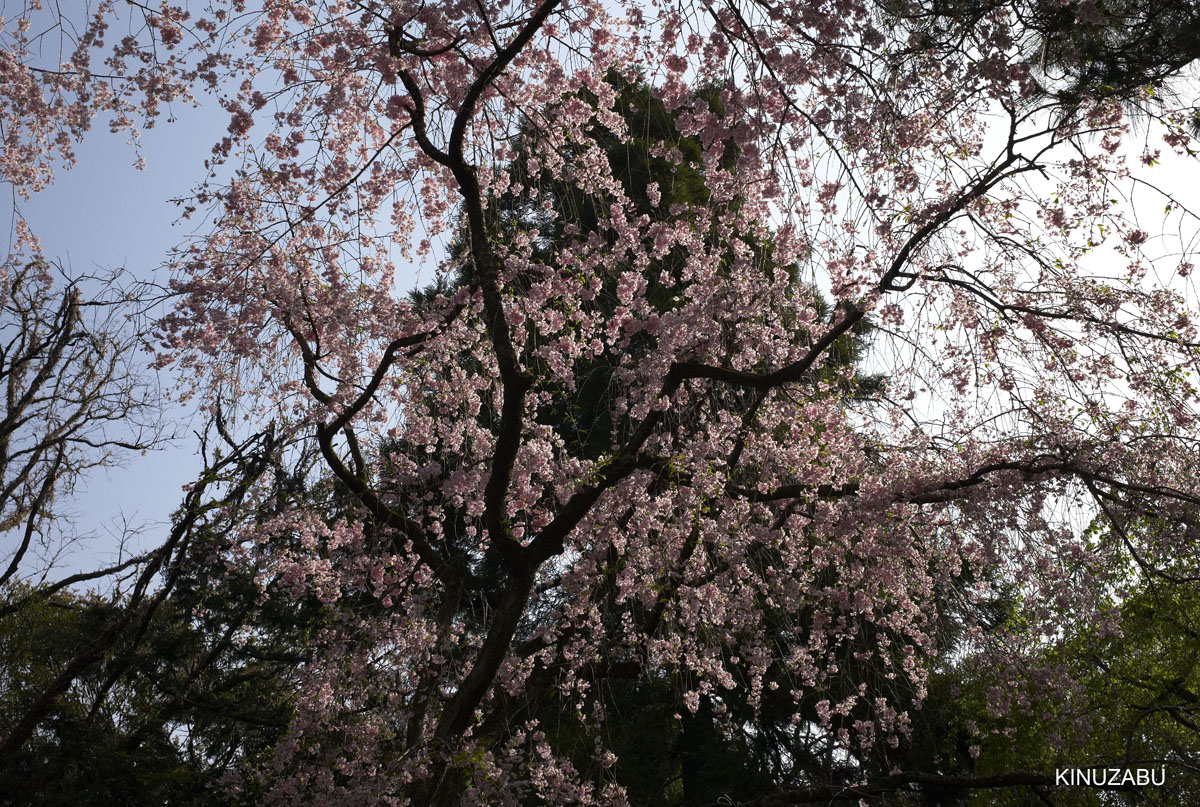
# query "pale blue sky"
(103, 213)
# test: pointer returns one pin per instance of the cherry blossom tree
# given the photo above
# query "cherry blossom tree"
(732, 525)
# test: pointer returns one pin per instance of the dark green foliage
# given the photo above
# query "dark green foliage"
(82, 756)
(171, 707)
(1077, 50)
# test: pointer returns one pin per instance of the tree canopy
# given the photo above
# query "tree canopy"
(796, 407)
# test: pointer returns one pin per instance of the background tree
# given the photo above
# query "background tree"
(1133, 704)
(1078, 51)
(151, 694)
(72, 402)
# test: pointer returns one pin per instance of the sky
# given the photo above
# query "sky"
(104, 214)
